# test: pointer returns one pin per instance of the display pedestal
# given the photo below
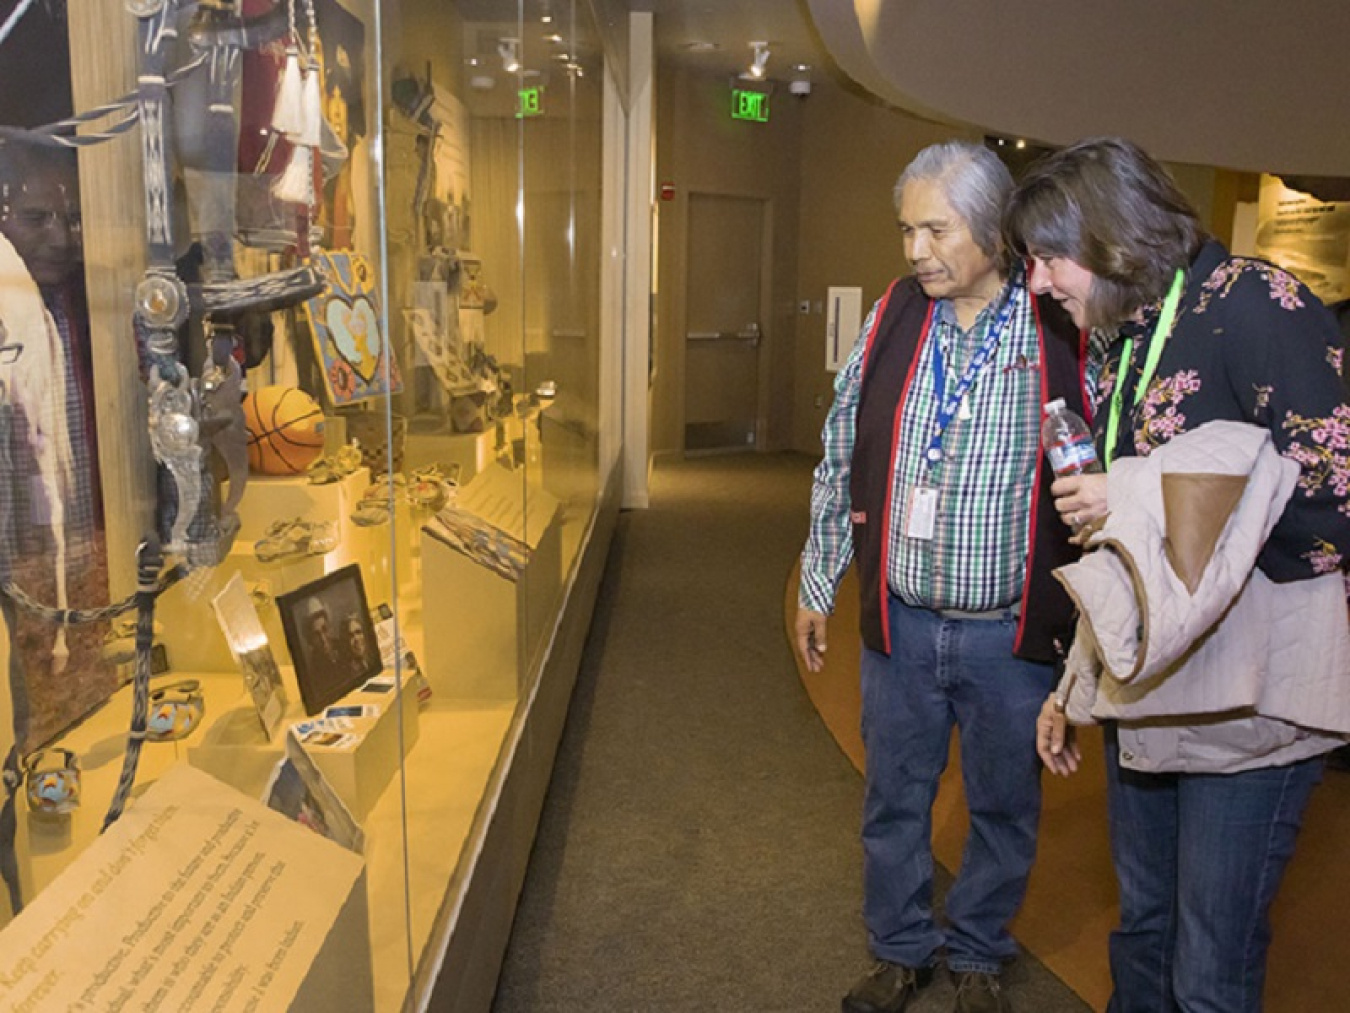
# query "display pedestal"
(270, 498)
(197, 895)
(488, 626)
(234, 749)
(373, 549)
(190, 631)
(360, 772)
(471, 451)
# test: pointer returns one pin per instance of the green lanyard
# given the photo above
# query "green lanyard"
(1161, 333)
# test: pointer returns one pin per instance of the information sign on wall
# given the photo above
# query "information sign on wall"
(843, 320)
(1309, 238)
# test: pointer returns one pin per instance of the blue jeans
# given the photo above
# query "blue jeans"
(944, 672)
(1199, 858)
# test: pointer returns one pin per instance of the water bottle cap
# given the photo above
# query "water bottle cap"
(1056, 405)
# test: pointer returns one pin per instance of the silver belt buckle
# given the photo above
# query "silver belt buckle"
(1007, 612)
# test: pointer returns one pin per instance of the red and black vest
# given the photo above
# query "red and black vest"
(889, 360)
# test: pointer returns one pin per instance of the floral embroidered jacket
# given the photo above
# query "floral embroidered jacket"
(1250, 344)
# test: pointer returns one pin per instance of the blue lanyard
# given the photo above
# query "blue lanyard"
(949, 403)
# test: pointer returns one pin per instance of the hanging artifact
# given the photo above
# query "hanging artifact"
(188, 75)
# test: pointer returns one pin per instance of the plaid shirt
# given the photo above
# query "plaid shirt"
(28, 525)
(976, 560)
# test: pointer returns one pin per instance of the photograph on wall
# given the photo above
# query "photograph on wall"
(238, 618)
(475, 299)
(442, 358)
(52, 532)
(330, 636)
(450, 167)
(1307, 237)
(298, 789)
(352, 350)
(342, 58)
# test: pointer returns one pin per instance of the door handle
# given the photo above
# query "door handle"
(750, 335)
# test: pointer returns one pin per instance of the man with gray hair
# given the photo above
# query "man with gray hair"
(933, 482)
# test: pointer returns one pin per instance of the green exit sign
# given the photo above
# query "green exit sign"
(531, 103)
(749, 105)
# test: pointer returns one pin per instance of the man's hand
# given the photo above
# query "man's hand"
(810, 640)
(1055, 739)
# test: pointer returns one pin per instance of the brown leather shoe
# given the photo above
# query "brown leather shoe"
(887, 988)
(979, 992)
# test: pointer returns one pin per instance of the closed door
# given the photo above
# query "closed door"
(722, 311)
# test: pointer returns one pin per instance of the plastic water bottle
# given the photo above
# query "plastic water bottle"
(1067, 441)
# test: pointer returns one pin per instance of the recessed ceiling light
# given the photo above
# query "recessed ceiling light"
(700, 47)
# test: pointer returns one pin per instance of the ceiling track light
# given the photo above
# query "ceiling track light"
(761, 58)
(509, 51)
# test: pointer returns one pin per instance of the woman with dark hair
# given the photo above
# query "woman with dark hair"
(357, 646)
(1222, 379)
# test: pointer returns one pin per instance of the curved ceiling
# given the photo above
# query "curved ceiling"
(1242, 84)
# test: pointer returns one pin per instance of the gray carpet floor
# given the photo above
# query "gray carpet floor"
(698, 849)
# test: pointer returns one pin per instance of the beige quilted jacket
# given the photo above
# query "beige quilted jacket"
(1207, 665)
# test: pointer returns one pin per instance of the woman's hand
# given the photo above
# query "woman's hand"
(1081, 502)
(1055, 739)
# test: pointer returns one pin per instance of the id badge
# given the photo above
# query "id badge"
(922, 513)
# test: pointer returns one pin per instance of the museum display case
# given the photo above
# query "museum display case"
(300, 455)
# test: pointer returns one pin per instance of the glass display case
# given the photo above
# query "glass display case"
(300, 413)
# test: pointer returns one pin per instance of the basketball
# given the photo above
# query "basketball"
(285, 430)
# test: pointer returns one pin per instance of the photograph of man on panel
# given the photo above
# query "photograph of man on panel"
(934, 484)
(52, 536)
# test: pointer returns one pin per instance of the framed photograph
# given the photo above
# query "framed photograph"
(330, 636)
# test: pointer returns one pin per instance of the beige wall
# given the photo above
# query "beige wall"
(701, 149)
(1198, 183)
(854, 151)
(829, 162)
